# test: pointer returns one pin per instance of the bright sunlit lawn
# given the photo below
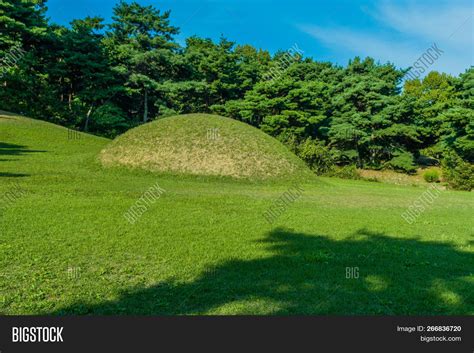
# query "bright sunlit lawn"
(204, 246)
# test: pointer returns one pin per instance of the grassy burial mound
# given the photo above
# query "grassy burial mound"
(202, 144)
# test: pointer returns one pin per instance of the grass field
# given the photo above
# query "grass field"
(204, 246)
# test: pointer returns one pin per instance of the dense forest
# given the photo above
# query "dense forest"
(106, 78)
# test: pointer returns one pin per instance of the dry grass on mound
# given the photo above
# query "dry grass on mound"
(201, 144)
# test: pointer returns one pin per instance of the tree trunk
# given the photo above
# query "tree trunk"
(71, 93)
(86, 127)
(145, 107)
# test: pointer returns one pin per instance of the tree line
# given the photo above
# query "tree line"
(106, 78)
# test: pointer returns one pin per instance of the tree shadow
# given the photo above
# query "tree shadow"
(9, 149)
(367, 273)
(13, 175)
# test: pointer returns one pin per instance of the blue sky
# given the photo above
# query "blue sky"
(396, 31)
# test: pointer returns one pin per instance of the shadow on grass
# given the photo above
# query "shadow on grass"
(9, 149)
(368, 273)
(13, 175)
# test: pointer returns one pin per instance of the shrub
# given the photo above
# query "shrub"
(166, 112)
(290, 141)
(372, 179)
(346, 172)
(109, 120)
(316, 155)
(431, 176)
(431, 154)
(458, 173)
(402, 161)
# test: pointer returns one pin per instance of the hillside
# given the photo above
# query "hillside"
(38, 148)
(202, 144)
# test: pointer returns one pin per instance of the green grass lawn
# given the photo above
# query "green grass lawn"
(204, 246)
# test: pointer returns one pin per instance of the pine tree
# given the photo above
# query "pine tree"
(140, 44)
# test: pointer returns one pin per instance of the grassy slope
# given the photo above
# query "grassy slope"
(204, 246)
(183, 144)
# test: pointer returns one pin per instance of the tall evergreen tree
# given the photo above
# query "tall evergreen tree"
(140, 43)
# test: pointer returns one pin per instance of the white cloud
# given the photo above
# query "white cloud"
(407, 32)
(364, 44)
(451, 25)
